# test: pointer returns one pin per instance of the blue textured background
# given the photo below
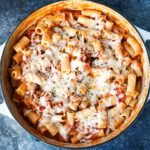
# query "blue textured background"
(14, 137)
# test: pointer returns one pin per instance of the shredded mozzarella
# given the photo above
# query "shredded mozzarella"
(91, 76)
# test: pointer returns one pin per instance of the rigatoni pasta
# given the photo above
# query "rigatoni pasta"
(135, 45)
(65, 63)
(33, 117)
(87, 22)
(46, 38)
(21, 89)
(22, 43)
(129, 49)
(18, 57)
(91, 13)
(109, 25)
(131, 84)
(136, 68)
(16, 72)
(76, 75)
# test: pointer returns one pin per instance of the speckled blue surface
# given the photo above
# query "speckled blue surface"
(14, 137)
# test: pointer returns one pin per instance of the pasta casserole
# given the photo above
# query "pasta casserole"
(76, 75)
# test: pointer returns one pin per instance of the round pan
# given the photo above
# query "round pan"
(33, 18)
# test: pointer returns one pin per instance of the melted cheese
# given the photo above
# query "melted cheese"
(43, 69)
(42, 101)
(76, 64)
(89, 120)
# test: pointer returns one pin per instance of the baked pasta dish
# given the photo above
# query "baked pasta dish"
(76, 75)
